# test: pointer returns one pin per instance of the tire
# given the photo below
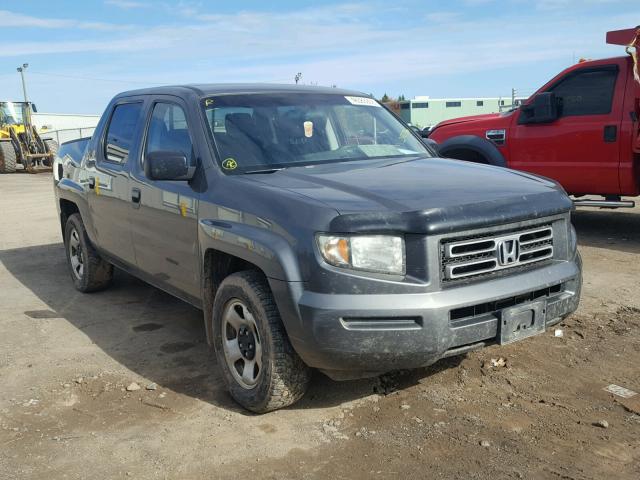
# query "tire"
(52, 147)
(7, 157)
(281, 377)
(88, 270)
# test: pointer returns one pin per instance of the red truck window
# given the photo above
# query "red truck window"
(587, 92)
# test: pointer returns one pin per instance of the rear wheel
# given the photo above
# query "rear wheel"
(89, 271)
(261, 368)
(7, 157)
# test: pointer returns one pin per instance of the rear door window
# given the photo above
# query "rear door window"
(587, 93)
(121, 131)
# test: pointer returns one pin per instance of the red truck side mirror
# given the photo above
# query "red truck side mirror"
(543, 109)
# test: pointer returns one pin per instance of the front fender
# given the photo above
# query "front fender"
(476, 144)
(268, 250)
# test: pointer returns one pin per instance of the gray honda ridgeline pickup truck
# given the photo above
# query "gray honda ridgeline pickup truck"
(315, 230)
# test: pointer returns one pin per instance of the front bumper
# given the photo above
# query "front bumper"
(359, 335)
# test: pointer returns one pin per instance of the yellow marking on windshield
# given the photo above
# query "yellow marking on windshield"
(229, 164)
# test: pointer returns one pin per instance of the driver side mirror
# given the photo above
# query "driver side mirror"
(543, 109)
(33, 108)
(162, 165)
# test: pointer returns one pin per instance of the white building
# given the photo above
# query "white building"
(63, 127)
(424, 111)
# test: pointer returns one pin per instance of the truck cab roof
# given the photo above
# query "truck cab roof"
(204, 90)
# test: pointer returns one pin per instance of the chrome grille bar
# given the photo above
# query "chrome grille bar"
(479, 256)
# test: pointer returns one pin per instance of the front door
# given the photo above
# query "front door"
(580, 149)
(164, 221)
(109, 197)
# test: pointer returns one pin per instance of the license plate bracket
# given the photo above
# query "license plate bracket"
(522, 321)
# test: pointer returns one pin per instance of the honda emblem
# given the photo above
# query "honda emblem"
(508, 251)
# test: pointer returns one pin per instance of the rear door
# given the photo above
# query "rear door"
(580, 149)
(109, 200)
(164, 220)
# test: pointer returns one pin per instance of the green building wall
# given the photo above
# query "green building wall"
(430, 111)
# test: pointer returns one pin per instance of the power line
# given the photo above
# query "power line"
(76, 77)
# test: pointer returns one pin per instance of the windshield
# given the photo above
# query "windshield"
(277, 130)
(10, 113)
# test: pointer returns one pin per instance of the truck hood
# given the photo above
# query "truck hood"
(470, 118)
(421, 195)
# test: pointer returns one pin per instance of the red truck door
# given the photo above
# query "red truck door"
(580, 149)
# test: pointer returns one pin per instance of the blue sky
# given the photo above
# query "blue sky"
(81, 53)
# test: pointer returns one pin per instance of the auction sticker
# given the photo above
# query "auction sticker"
(365, 101)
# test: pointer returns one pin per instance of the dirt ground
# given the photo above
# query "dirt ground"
(67, 358)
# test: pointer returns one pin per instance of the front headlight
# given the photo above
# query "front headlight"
(371, 253)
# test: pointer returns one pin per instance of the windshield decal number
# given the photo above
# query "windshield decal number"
(363, 101)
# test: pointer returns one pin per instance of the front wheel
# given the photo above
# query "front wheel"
(8, 157)
(261, 368)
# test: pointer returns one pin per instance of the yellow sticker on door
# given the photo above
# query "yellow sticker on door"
(229, 164)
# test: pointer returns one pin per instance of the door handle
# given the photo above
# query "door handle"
(92, 182)
(610, 133)
(135, 197)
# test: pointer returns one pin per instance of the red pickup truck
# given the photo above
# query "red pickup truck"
(581, 128)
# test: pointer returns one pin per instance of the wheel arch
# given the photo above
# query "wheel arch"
(216, 266)
(67, 208)
(229, 247)
(71, 197)
(475, 147)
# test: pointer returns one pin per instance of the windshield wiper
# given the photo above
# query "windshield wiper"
(266, 170)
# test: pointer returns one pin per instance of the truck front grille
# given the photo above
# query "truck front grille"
(483, 255)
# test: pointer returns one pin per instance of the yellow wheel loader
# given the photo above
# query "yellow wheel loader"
(20, 142)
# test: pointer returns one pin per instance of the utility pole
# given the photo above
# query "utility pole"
(21, 71)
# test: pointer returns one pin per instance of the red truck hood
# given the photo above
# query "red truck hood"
(471, 118)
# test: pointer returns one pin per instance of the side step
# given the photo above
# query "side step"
(605, 203)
